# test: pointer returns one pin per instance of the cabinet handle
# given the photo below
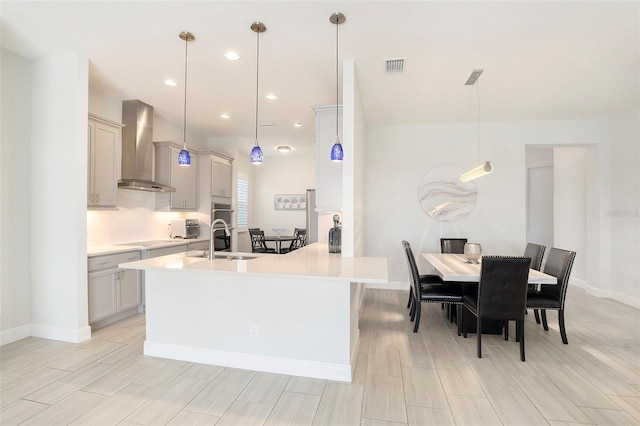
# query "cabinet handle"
(103, 263)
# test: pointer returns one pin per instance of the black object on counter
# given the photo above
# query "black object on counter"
(335, 236)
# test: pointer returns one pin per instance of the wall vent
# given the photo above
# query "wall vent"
(394, 65)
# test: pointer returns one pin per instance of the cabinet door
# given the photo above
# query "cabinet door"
(128, 289)
(105, 154)
(216, 180)
(225, 179)
(189, 184)
(102, 295)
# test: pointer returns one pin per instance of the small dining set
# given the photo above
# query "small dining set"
(259, 241)
(492, 289)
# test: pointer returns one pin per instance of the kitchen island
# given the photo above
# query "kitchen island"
(292, 314)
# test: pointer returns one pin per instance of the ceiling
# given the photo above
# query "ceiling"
(541, 60)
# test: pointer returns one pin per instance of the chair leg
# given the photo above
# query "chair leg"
(412, 311)
(535, 312)
(506, 330)
(479, 334)
(418, 308)
(459, 318)
(563, 332)
(543, 314)
(410, 297)
(520, 327)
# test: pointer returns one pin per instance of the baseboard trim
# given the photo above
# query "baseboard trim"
(318, 370)
(58, 333)
(15, 334)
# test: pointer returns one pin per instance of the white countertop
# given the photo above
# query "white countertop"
(135, 246)
(310, 261)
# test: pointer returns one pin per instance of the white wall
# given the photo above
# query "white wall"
(570, 205)
(15, 90)
(398, 156)
(57, 190)
(623, 212)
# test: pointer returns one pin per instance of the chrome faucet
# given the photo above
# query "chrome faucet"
(211, 241)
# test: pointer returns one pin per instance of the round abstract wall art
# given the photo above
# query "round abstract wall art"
(443, 196)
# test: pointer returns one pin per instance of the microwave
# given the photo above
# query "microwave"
(185, 228)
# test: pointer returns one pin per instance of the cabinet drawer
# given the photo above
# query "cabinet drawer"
(200, 245)
(111, 261)
(181, 248)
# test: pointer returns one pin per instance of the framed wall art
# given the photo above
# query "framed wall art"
(290, 201)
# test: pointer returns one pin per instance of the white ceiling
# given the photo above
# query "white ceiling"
(542, 60)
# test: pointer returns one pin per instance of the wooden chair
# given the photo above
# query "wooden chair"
(300, 241)
(258, 244)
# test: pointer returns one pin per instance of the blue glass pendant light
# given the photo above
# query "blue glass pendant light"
(336, 150)
(184, 157)
(256, 156)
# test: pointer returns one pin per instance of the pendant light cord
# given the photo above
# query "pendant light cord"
(184, 127)
(257, 73)
(337, 80)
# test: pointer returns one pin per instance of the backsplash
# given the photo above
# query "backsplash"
(135, 220)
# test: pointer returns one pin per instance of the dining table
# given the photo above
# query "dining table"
(456, 268)
(279, 239)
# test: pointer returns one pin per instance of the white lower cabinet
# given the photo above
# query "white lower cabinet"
(113, 291)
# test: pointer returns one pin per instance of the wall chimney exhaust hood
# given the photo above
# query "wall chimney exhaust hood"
(137, 148)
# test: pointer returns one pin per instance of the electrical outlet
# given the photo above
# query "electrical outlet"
(253, 330)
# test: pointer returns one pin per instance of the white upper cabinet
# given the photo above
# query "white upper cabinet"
(104, 138)
(220, 177)
(328, 173)
(183, 179)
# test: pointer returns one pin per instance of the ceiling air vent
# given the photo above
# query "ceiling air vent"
(394, 65)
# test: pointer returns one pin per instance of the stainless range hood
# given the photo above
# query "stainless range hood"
(137, 148)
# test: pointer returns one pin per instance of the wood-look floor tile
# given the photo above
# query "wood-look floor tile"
(384, 361)
(579, 389)
(472, 410)
(513, 406)
(264, 388)
(306, 385)
(615, 363)
(384, 399)
(630, 404)
(490, 372)
(116, 408)
(165, 373)
(66, 410)
(341, 404)
(374, 422)
(444, 347)
(220, 393)
(125, 355)
(203, 371)
(422, 388)
(168, 402)
(67, 385)
(420, 416)
(413, 350)
(186, 418)
(551, 401)
(24, 363)
(245, 413)
(20, 411)
(121, 376)
(601, 416)
(84, 357)
(294, 409)
(29, 384)
(457, 377)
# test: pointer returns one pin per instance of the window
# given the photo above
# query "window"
(243, 201)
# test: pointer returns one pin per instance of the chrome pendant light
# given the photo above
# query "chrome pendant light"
(486, 167)
(337, 153)
(184, 157)
(256, 156)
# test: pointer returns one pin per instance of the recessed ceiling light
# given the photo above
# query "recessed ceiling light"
(225, 116)
(283, 148)
(170, 82)
(232, 56)
(297, 124)
(271, 97)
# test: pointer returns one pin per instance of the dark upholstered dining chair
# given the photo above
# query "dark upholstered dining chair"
(429, 292)
(559, 263)
(452, 245)
(536, 253)
(301, 239)
(502, 294)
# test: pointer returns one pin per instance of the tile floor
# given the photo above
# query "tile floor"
(429, 378)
